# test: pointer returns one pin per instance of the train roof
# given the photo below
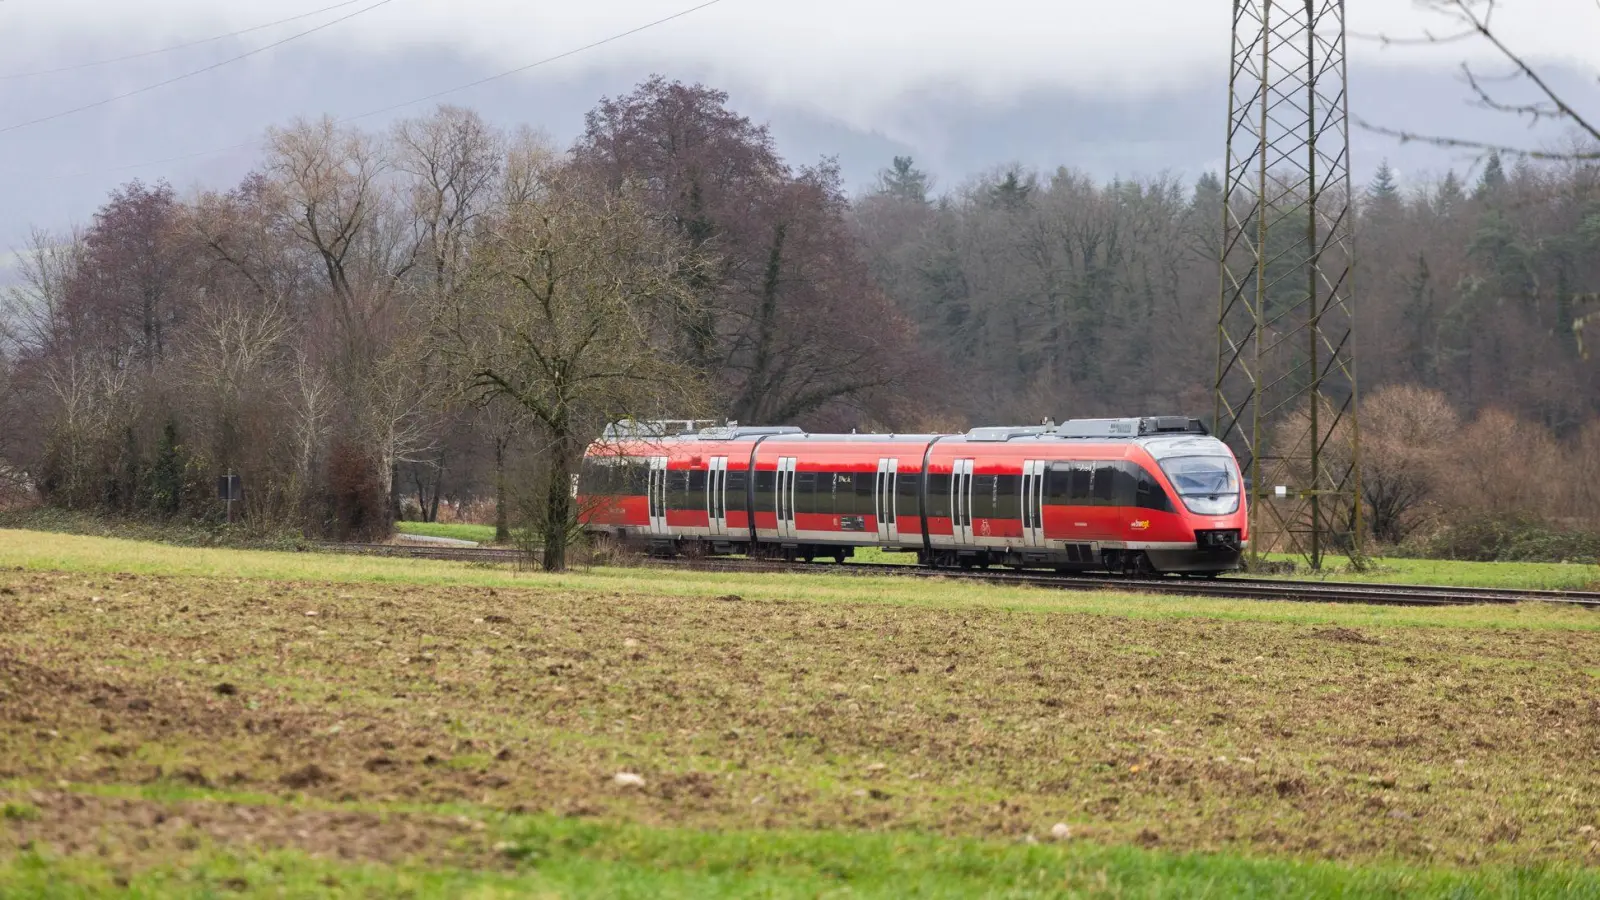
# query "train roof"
(1088, 430)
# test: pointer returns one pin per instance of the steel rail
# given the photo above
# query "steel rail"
(1233, 588)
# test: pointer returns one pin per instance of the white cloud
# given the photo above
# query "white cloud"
(848, 57)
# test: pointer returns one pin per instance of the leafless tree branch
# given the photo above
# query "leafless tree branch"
(1476, 21)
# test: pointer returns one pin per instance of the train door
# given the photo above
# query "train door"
(717, 496)
(1033, 472)
(961, 501)
(656, 494)
(886, 502)
(785, 498)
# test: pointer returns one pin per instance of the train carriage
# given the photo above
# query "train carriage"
(1124, 495)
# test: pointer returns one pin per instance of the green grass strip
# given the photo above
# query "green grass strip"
(545, 856)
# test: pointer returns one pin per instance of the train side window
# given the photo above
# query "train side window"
(1008, 497)
(613, 479)
(592, 479)
(1150, 493)
(984, 488)
(1058, 484)
(1127, 485)
(805, 492)
(910, 502)
(844, 493)
(1082, 485)
(678, 496)
(1105, 484)
(863, 483)
(766, 491)
(939, 496)
(697, 487)
(736, 488)
(623, 479)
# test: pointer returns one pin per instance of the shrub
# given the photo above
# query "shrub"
(360, 506)
(1511, 539)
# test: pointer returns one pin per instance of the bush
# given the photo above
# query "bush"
(1514, 539)
(360, 506)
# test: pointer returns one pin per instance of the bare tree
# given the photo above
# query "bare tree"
(1474, 20)
(13, 480)
(789, 325)
(402, 405)
(231, 347)
(310, 402)
(328, 186)
(504, 422)
(561, 314)
(453, 159)
(35, 313)
(1405, 433)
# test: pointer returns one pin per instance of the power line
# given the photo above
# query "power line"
(210, 40)
(534, 65)
(150, 87)
(434, 96)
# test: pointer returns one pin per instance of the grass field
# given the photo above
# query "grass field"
(1533, 576)
(483, 534)
(179, 722)
(1529, 575)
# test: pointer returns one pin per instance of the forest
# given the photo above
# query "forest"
(432, 320)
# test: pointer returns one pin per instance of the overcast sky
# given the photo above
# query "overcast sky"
(1134, 84)
(851, 51)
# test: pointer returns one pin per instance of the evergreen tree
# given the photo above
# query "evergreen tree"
(1384, 187)
(1450, 195)
(1207, 192)
(1013, 191)
(1493, 179)
(123, 489)
(904, 181)
(166, 477)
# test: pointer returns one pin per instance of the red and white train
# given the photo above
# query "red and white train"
(1146, 495)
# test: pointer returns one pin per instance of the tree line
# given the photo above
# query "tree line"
(373, 324)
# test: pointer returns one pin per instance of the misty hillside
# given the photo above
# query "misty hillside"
(55, 173)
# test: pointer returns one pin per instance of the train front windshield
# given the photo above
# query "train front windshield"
(1209, 485)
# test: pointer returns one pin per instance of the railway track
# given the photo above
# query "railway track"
(1237, 588)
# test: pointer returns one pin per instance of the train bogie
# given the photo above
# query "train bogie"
(1138, 496)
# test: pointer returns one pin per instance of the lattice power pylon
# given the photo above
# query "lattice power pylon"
(1286, 383)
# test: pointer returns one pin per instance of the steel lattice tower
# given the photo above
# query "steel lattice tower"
(1286, 383)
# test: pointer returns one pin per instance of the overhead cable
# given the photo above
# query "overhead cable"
(217, 65)
(175, 47)
(434, 96)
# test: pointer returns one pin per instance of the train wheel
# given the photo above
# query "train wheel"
(839, 556)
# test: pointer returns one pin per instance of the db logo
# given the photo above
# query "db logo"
(1141, 525)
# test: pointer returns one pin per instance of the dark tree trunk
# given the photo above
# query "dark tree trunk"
(558, 508)
(502, 525)
(394, 495)
(432, 512)
(757, 389)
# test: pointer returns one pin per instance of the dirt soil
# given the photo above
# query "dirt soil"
(138, 715)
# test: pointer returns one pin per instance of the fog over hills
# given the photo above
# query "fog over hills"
(1142, 117)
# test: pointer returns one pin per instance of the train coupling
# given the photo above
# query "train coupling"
(1227, 539)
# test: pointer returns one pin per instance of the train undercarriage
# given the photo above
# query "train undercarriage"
(1073, 559)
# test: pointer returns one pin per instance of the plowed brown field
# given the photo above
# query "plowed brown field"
(357, 715)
